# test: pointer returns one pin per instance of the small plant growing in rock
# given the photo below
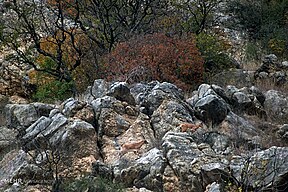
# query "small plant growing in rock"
(91, 184)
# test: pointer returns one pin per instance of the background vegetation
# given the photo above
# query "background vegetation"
(266, 22)
(63, 45)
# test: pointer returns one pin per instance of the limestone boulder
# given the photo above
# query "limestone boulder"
(121, 92)
(168, 116)
(149, 97)
(264, 170)
(21, 116)
(188, 160)
(143, 172)
(210, 104)
(276, 105)
(211, 109)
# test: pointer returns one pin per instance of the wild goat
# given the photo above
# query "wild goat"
(133, 146)
(189, 126)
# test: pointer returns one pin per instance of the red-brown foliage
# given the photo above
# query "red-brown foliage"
(156, 57)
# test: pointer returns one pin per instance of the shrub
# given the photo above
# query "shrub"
(92, 185)
(252, 51)
(53, 91)
(278, 46)
(49, 88)
(213, 51)
(156, 57)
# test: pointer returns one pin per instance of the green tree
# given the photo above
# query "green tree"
(265, 21)
(39, 31)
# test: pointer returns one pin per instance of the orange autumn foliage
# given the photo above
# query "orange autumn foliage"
(70, 56)
(156, 57)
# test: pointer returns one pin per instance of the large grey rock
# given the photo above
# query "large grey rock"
(140, 90)
(8, 140)
(241, 101)
(17, 167)
(210, 104)
(238, 129)
(154, 94)
(35, 129)
(71, 106)
(113, 124)
(187, 159)
(58, 120)
(211, 109)
(101, 103)
(21, 116)
(276, 105)
(113, 117)
(99, 88)
(263, 170)
(43, 109)
(76, 142)
(11, 164)
(206, 90)
(168, 116)
(121, 92)
(38, 134)
(144, 172)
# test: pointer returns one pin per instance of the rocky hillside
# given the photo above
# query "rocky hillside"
(137, 135)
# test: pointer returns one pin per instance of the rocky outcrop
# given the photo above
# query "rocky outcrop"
(283, 131)
(23, 115)
(272, 68)
(264, 170)
(87, 136)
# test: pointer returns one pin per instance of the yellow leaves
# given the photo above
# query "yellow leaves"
(39, 78)
(53, 46)
(277, 46)
(60, 53)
